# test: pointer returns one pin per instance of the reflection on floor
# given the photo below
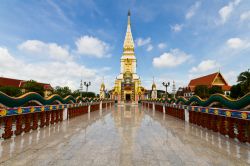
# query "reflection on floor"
(123, 135)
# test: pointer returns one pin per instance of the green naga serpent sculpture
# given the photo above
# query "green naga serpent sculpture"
(223, 100)
(9, 101)
(241, 103)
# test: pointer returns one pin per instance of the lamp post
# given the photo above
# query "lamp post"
(87, 84)
(166, 84)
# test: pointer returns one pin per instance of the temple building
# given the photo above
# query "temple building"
(214, 79)
(127, 84)
(20, 84)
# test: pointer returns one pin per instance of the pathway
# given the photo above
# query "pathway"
(123, 135)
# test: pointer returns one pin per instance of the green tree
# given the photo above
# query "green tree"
(88, 94)
(215, 89)
(201, 91)
(33, 86)
(76, 93)
(244, 81)
(62, 91)
(11, 90)
(236, 92)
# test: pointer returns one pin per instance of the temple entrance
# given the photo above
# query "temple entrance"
(128, 97)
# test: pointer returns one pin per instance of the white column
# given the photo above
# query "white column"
(153, 107)
(164, 110)
(88, 108)
(100, 106)
(186, 115)
(65, 113)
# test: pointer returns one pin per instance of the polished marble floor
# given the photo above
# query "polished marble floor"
(123, 135)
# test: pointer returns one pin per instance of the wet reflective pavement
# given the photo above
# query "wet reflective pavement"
(123, 135)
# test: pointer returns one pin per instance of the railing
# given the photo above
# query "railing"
(18, 120)
(232, 123)
(77, 111)
(15, 121)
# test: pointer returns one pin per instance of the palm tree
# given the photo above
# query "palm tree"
(244, 81)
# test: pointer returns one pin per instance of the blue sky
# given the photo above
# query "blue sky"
(60, 42)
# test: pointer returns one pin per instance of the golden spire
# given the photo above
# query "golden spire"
(128, 45)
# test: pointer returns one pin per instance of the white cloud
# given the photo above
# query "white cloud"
(141, 42)
(245, 16)
(162, 45)
(146, 43)
(226, 11)
(176, 27)
(191, 12)
(237, 43)
(171, 59)
(52, 50)
(5, 56)
(57, 73)
(91, 46)
(205, 65)
(231, 77)
(149, 47)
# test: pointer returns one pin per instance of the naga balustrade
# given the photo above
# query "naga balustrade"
(94, 106)
(104, 105)
(77, 111)
(175, 110)
(232, 123)
(18, 120)
(159, 107)
(24, 119)
(150, 105)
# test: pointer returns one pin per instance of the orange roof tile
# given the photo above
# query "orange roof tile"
(208, 80)
(205, 80)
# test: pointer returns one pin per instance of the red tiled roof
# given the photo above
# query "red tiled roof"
(205, 80)
(18, 83)
(9, 82)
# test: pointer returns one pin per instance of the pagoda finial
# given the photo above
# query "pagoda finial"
(129, 16)
(128, 45)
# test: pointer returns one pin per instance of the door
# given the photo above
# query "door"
(128, 97)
